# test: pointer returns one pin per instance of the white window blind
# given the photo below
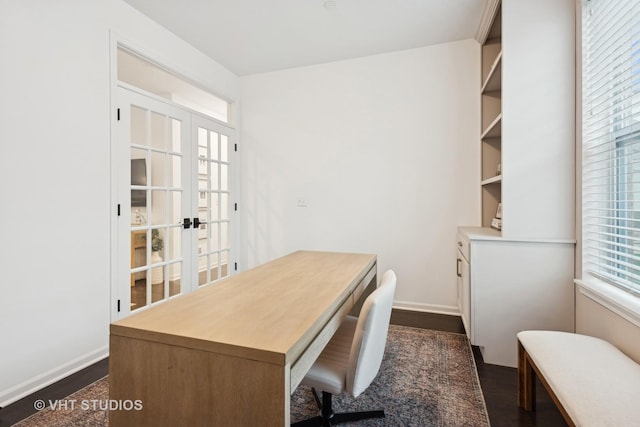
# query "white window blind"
(611, 141)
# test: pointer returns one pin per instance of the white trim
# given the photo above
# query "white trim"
(488, 13)
(427, 308)
(40, 381)
(578, 134)
(173, 104)
(162, 61)
(486, 233)
(618, 301)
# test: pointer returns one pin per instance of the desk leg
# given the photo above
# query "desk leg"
(182, 386)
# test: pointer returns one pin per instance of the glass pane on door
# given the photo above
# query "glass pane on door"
(213, 160)
(156, 198)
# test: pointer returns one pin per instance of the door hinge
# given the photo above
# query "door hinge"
(235, 206)
(118, 209)
(118, 306)
(235, 266)
(118, 114)
(235, 147)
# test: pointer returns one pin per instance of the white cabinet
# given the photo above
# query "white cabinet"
(521, 277)
(511, 286)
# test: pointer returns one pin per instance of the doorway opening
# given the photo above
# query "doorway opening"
(174, 161)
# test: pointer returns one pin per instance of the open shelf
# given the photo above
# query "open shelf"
(491, 196)
(496, 179)
(491, 121)
(494, 129)
(493, 82)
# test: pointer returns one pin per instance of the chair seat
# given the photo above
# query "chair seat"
(329, 372)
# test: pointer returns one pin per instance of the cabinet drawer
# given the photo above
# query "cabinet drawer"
(463, 246)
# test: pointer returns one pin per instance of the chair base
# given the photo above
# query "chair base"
(329, 418)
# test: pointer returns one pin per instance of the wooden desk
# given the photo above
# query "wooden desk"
(231, 354)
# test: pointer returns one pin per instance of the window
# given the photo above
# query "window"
(611, 142)
(144, 75)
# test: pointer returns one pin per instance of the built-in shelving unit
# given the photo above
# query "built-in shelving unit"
(491, 133)
(521, 276)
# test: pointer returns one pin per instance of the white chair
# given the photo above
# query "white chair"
(351, 360)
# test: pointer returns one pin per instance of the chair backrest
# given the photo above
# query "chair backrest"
(370, 336)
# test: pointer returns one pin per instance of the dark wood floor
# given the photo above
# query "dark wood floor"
(59, 390)
(498, 383)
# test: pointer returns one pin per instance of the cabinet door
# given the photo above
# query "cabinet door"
(464, 291)
(465, 295)
(459, 282)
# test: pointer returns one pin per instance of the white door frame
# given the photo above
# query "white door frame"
(118, 40)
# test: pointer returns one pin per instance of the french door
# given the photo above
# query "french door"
(174, 224)
(213, 205)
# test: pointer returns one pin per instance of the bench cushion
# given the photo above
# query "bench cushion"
(596, 383)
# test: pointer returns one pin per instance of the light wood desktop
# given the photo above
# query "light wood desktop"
(231, 354)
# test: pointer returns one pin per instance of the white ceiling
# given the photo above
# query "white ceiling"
(255, 36)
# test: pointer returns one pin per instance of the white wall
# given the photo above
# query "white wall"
(594, 318)
(55, 178)
(383, 149)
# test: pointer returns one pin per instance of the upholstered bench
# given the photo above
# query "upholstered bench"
(591, 381)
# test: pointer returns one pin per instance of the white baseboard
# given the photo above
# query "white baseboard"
(428, 308)
(47, 378)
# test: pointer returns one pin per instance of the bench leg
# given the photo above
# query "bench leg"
(526, 381)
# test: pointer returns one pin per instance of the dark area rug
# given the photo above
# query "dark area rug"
(427, 378)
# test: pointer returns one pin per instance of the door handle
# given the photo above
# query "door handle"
(186, 223)
(196, 222)
(458, 262)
